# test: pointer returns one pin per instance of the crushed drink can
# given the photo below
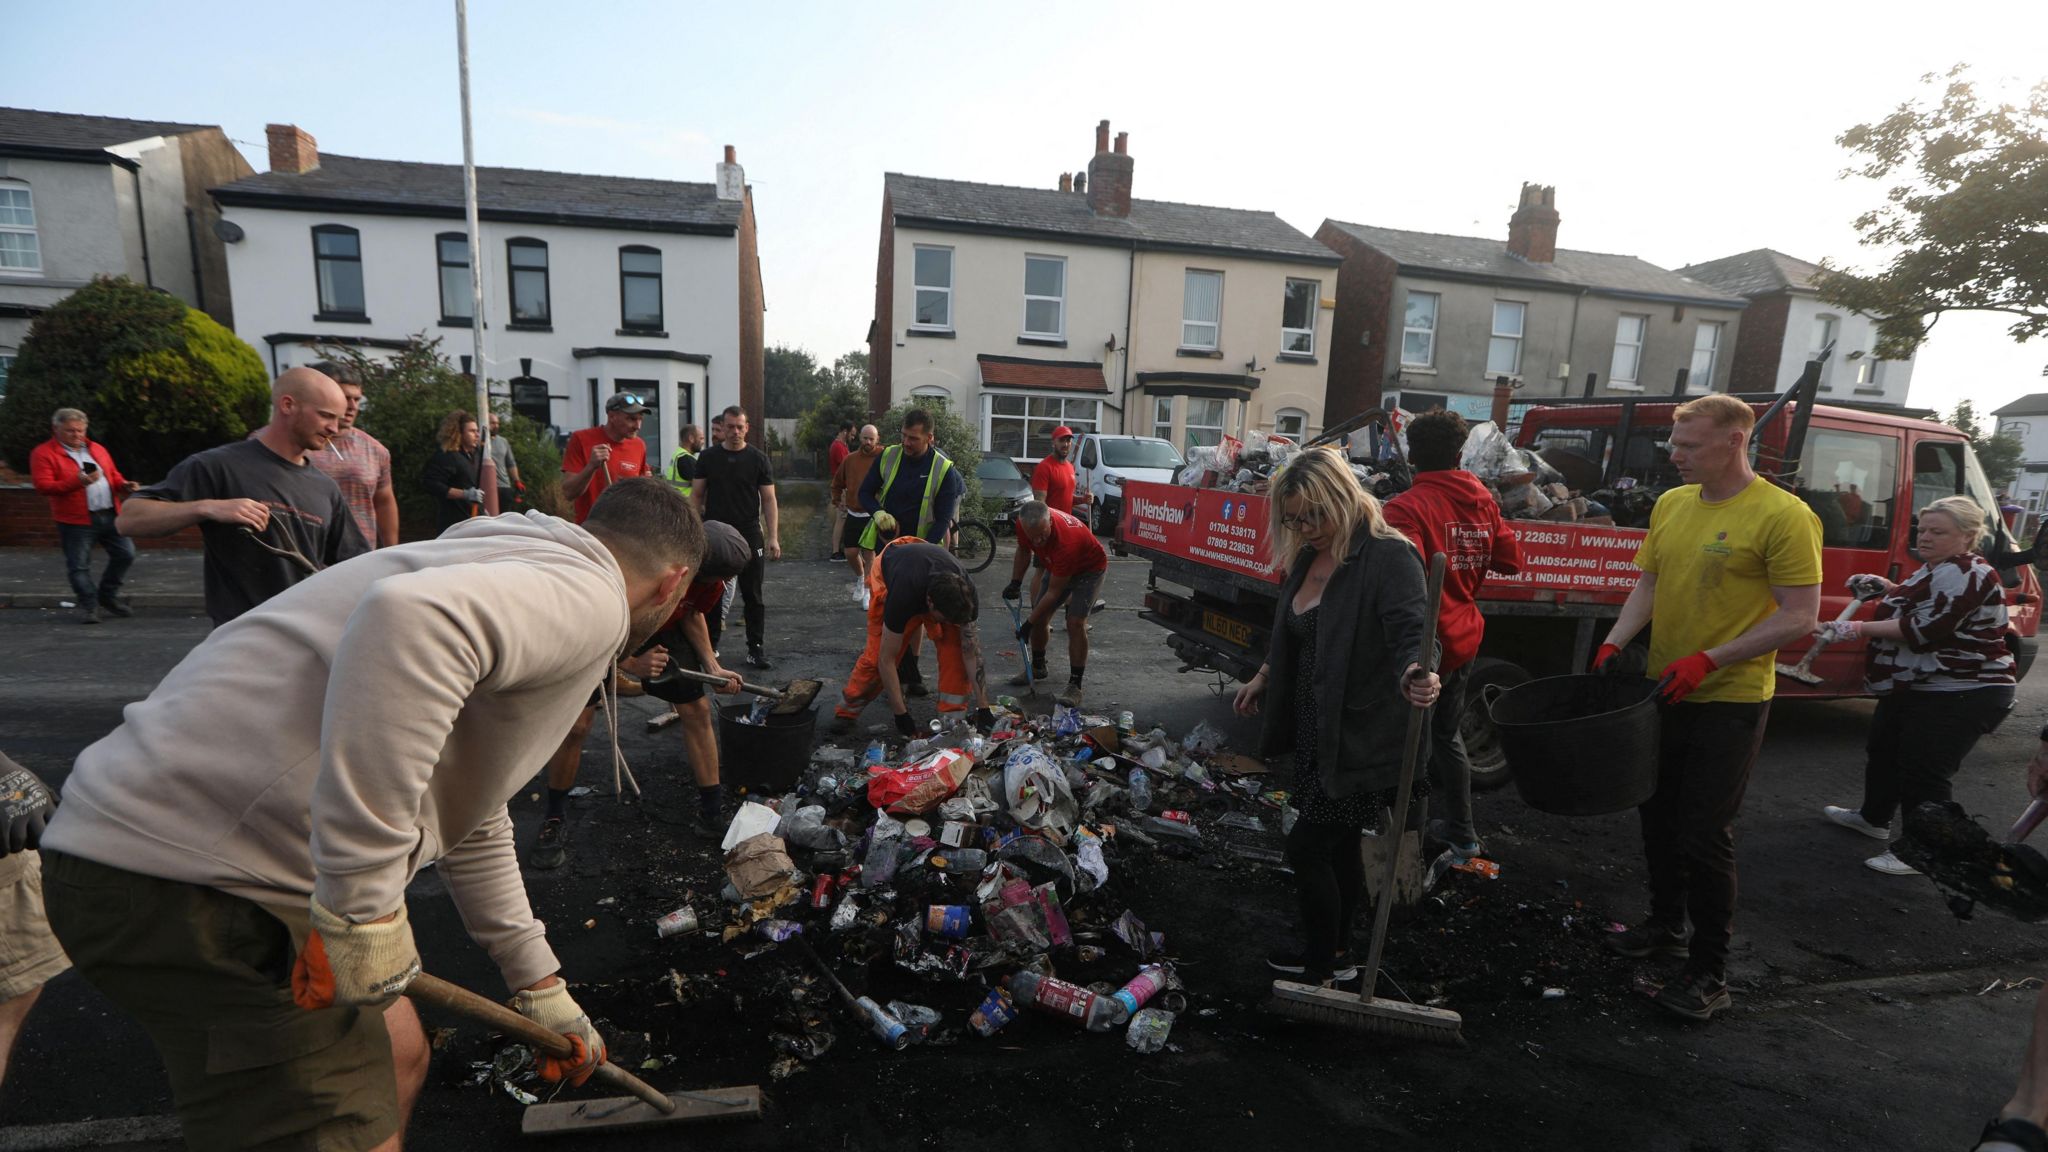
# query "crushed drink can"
(996, 1011)
(821, 891)
(1177, 815)
(948, 920)
(1478, 866)
(676, 923)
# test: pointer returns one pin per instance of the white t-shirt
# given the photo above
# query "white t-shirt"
(99, 497)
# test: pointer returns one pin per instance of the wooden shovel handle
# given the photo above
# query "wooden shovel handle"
(439, 993)
(710, 681)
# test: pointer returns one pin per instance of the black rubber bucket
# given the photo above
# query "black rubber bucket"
(1581, 745)
(770, 755)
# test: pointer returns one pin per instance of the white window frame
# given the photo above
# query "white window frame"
(1059, 331)
(1315, 303)
(1870, 373)
(6, 369)
(1214, 325)
(1826, 327)
(1695, 381)
(1633, 382)
(35, 240)
(1285, 414)
(1498, 338)
(1073, 412)
(1162, 421)
(1436, 306)
(1221, 427)
(952, 272)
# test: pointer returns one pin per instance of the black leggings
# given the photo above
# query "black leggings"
(1918, 741)
(1329, 875)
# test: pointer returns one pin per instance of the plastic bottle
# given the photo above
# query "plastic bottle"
(879, 867)
(886, 1028)
(1059, 998)
(1125, 722)
(960, 861)
(1088, 858)
(1149, 1029)
(874, 756)
(1141, 790)
(1141, 988)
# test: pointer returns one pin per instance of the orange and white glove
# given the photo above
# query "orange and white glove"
(554, 1009)
(354, 965)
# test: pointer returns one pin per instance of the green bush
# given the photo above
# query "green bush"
(406, 397)
(845, 403)
(956, 437)
(158, 380)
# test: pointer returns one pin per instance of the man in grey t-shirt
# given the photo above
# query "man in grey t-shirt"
(270, 519)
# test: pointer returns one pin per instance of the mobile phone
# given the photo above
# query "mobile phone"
(88, 466)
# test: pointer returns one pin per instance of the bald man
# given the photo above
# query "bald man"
(268, 516)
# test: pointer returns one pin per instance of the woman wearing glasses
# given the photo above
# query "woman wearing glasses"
(451, 474)
(1345, 663)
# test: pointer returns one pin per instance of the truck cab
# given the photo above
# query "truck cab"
(1103, 465)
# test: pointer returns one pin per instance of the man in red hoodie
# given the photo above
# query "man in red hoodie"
(1449, 511)
(85, 491)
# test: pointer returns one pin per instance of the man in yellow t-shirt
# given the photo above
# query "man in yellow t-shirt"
(1731, 570)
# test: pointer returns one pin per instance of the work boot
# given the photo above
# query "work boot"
(115, 606)
(708, 826)
(839, 726)
(549, 851)
(1650, 938)
(757, 657)
(1071, 695)
(88, 614)
(915, 688)
(1696, 995)
(1020, 680)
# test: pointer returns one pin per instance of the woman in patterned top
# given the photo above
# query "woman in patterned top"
(1939, 666)
(1345, 651)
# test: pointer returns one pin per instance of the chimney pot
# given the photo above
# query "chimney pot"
(1102, 137)
(1066, 181)
(1532, 230)
(1080, 181)
(291, 149)
(732, 155)
(1109, 176)
(1121, 137)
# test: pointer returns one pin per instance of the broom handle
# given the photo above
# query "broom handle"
(453, 998)
(1397, 825)
(710, 681)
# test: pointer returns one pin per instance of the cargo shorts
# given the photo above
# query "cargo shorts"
(209, 976)
(29, 953)
(1079, 596)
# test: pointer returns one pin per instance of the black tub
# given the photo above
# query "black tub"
(1581, 745)
(770, 755)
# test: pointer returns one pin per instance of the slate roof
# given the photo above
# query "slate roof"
(1755, 273)
(26, 131)
(1155, 224)
(2033, 404)
(1059, 375)
(409, 188)
(1478, 258)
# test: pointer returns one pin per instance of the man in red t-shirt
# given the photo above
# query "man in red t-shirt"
(842, 447)
(612, 451)
(1074, 564)
(1448, 510)
(1052, 484)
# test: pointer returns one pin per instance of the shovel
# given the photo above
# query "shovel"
(1803, 671)
(795, 698)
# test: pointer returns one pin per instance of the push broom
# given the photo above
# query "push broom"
(1366, 1012)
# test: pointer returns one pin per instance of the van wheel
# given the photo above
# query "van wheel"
(1489, 677)
(1104, 522)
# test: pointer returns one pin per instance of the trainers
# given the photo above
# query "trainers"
(858, 590)
(548, 849)
(1853, 819)
(839, 726)
(757, 657)
(115, 606)
(1296, 964)
(1439, 831)
(1697, 995)
(1649, 939)
(1891, 865)
(1071, 695)
(915, 688)
(89, 614)
(1020, 680)
(867, 598)
(709, 827)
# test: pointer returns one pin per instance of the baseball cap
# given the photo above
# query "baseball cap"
(1062, 432)
(625, 402)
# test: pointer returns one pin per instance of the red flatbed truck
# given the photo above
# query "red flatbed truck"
(1214, 584)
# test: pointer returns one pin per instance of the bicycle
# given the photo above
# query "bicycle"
(973, 543)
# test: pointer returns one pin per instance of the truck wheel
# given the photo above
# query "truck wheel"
(1105, 522)
(1482, 745)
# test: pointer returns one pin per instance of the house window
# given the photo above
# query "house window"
(1869, 374)
(1418, 331)
(933, 276)
(20, 251)
(1824, 331)
(1298, 317)
(1290, 422)
(1021, 426)
(640, 288)
(1201, 310)
(1504, 348)
(6, 367)
(338, 270)
(529, 261)
(1045, 296)
(1162, 418)
(457, 297)
(1706, 349)
(1205, 420)
(649, 393)
(1629, 333)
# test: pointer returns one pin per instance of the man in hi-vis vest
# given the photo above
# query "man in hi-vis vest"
(918, 485)
(682, 467)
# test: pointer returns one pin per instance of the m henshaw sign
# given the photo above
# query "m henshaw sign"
(1223, 529)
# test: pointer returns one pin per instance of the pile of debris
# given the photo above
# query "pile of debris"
(1248, 465)
(1525, 485)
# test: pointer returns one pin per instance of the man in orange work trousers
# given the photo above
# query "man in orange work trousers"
(917, 589)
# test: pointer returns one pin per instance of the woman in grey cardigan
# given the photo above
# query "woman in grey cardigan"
(1343, 666)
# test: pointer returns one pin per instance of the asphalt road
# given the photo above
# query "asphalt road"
(1862, 1018)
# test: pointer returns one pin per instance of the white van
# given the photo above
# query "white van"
(1103, 463)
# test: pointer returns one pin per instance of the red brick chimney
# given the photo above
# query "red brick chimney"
(1109, 175)
(291, 149)
(1532, 230)
(1066, 181)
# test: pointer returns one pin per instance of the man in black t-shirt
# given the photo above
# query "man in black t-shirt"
(735, 485)
(268, 516)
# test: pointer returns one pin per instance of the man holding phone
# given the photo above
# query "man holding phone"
(85, 490)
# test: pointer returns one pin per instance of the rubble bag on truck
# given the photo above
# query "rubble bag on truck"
(1582, 745)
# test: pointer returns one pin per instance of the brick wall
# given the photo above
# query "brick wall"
(882, 332)
(1759, 343)
(753, 303)
(25, 523)
(1365, 293)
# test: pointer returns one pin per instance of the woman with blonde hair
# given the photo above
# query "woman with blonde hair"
(1939, 666)
(450, 476)
(1343, 667)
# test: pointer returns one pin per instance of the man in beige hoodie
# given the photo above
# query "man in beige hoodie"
(230, 864)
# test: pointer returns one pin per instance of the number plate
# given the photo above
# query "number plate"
(1236, 631)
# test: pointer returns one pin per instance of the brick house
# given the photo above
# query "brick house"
(1786, 324)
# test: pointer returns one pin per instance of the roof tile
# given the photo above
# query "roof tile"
(27, 127)
(1755, 273)
(1058, 375)
(1490, 259)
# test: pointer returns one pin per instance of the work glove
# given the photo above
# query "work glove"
(354, 965)
(1836, 631)
(1682, 676)
(554, 1009)
(1606, 653)
(982, 718)
(1865, 586)
(1014, 590)
(904, 725)
(473, 495)
(25, 807)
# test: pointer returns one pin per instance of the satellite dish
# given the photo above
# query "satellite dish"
(229, 231)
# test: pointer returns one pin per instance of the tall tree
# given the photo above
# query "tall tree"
(793, 382)
(1966, 215)
(1998, 454)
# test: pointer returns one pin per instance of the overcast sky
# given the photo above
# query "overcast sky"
(1675, 133)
